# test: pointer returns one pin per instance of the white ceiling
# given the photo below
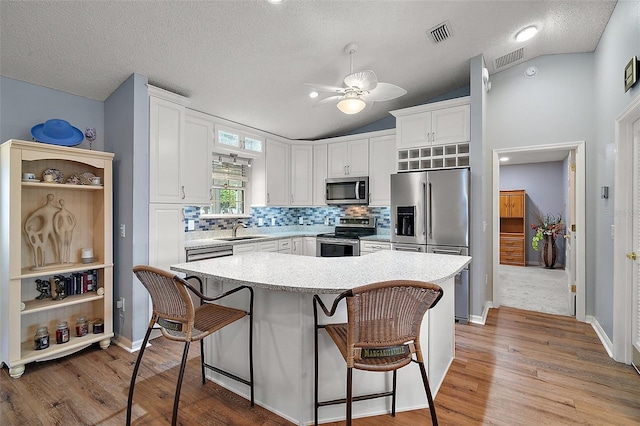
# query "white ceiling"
(247, 61)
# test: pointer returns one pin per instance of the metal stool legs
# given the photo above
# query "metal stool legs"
(135, 373)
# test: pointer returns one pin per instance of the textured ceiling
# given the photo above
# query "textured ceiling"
(247, 61)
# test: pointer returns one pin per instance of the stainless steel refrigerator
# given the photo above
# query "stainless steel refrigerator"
(430, 213)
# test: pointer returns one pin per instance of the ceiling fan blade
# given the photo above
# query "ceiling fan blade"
(325, 88)
(365, 80)
(328, 100)
(384, 92)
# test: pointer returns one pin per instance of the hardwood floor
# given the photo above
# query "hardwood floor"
(521, 368)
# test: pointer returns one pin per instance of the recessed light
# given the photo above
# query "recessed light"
(526, 33)
(503, 159)
(313, 95)
(275, 1)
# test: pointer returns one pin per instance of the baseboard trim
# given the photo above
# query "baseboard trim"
(604, 339)
(481, 319)
(127, 344)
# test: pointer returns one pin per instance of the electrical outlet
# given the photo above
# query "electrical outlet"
(120, 304)
(122, 230)
(191, 225)
(301, 220)
(260, 221)
(273, 221)
(326, 220)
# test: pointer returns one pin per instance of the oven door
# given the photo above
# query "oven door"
(337, 247)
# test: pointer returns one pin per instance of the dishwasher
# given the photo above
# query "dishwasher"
(203, 253)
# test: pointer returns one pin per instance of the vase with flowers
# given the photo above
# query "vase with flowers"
(547, 227)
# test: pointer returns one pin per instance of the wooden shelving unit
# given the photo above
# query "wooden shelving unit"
(513, 227)
(91, 206)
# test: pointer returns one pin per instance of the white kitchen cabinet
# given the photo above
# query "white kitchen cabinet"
(277, 173)
(368, 247)
(309, 246)
(244, 248)
(45, 226)
(319, 174)
(166, 235)
(382, 162)
(243, 143)
(349, 158)
(166, 136)
(296, 246)
(285, 246)
(301, 175)
(196, 160)
(438, 123)
(267, 246)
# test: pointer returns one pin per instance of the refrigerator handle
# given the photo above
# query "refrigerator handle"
(424, 204)
(429, 212)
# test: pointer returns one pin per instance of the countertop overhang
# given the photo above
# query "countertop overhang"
(304, 274)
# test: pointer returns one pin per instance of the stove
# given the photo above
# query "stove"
(345, 240)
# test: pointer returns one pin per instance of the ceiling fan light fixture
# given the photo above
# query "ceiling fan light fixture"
(351, 105)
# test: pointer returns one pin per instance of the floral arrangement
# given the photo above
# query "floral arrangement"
(547, 224)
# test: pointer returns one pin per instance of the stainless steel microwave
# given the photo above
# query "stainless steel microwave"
(349, 190)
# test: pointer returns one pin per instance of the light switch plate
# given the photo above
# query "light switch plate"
(191, 225)
(260, 221)
(273, 221)
(301, 220)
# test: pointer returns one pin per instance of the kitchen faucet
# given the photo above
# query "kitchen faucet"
(235, 227)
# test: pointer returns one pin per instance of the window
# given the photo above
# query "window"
(230, 176)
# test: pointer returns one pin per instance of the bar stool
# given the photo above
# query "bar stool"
(179, 320)
(382, 333)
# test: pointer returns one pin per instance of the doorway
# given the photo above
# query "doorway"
(575, 259)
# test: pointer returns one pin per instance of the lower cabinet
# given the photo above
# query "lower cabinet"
(368, 247)
(285, 246)
(512, 250)
(309, 246)
(243, 248)
(166, 235)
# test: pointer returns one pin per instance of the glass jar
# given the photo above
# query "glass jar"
(62, 332)
(82, 326)
(41, 339)
(98, 326)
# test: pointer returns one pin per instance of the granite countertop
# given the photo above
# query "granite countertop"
(304, 274)
(208, 239)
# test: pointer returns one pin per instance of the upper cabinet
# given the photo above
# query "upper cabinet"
(319, 174)
(179, 153)
(277, 173)
(301, 175)
(381, 160)
(438, 123)
(228, 139)
(348, 158)
(196, 158)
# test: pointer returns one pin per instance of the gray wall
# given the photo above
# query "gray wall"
(546, 192)
(620, 41)
(126, 116)
(23, 105)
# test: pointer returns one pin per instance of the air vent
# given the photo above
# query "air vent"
(509, 58)
(441, 32)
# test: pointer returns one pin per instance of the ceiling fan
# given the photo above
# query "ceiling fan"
(360, 89)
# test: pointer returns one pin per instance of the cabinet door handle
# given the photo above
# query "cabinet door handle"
(348, 170)
(345, 170)
(210, 194)
(184, 195)
(433, 137)
(268, 198)
(291, 198)
(429, 137)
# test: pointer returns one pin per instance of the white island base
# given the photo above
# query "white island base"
(284, 329)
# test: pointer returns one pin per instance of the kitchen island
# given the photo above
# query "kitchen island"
(283, 328)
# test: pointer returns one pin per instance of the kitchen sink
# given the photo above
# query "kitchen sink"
(243, 237)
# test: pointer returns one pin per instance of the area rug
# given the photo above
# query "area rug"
(535, 288)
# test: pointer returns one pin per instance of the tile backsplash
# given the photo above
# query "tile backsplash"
(289, 216)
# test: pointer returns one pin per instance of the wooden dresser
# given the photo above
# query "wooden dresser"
(513, 227)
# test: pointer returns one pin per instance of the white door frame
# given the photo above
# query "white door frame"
(580, 194)
(623, 230)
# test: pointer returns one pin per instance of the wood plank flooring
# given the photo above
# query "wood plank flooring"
(521, 368)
